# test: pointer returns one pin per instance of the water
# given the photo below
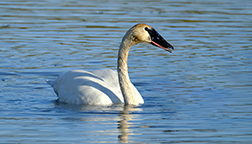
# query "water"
(201, 93)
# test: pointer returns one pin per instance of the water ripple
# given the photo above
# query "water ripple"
(201, 93)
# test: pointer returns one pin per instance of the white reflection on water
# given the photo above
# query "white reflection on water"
(115, 117)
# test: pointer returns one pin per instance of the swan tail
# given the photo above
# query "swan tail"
(50, 82)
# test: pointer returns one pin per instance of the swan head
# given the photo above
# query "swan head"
(144, 33)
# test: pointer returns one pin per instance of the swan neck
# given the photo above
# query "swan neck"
(122, 68)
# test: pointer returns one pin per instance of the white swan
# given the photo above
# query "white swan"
(105, 87)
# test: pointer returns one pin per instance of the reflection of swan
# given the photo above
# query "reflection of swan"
(123, 124)
(104, 87)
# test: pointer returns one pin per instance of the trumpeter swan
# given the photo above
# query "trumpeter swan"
(105, 87)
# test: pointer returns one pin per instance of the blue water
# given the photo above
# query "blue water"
(200, 93)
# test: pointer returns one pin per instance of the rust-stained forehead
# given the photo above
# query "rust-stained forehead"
(141, 25)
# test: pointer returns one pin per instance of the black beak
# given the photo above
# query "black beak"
(158, 40)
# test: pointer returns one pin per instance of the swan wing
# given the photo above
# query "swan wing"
(83, 87)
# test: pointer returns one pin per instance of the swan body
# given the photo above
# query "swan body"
(100, 87)
(105, 87)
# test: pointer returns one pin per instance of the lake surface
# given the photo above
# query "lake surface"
(200, 93)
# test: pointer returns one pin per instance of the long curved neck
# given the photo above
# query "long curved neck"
(122, 69)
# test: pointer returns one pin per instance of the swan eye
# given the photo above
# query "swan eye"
(148, 29)
(151, 32)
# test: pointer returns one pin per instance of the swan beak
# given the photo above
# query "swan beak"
(158, 40)
(163, 45)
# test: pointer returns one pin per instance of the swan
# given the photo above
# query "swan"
(106, 87)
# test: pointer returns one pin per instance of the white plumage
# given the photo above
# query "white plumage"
(100, 87)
